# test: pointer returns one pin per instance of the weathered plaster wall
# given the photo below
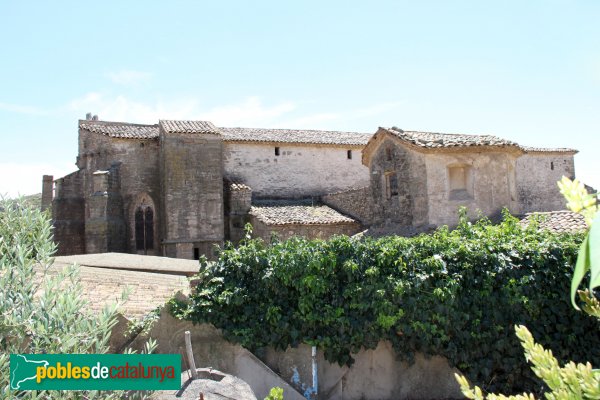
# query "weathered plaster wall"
(376, 374)
(299, 170)
(192, 193)
(537, 174)
(312, 231)
(357, 203)
(492, 179)
(408, 207)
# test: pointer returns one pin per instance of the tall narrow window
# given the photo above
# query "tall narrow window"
(144, 229)
(552, 165)
(140, 240)
(276, 151)
(391, 184)
(149, 228)
(349, 154)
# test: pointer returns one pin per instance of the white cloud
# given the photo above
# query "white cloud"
(20, 109)
(128, 77)
(248, 112)
(26, 178)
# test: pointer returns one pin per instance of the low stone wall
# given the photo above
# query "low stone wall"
(356, 203)
(310, 231)
(376, 374)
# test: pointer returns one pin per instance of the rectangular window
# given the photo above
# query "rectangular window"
(276, 151)
(391, 184)
(349, 154)
(196, 253)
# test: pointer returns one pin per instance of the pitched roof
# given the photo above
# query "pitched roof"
(171, 126)
(294, 136)
(445, 140)
(120, 129)
(139, 131)
(298, 215)
(557, 221)
(528, 149)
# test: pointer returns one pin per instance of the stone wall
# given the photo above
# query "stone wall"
(139, 176)
(298, 170)
(312, 231)
(104, 225)
(68, 214)
(490, 184)
(537, 174)
(192, 193)
(402, 205)
(357, 203)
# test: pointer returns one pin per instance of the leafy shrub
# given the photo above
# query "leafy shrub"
(451, 293)
(572, 381)
(43, 312)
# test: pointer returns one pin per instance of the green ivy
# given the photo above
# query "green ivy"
(456, 294)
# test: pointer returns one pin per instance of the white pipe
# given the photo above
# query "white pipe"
(315, 380)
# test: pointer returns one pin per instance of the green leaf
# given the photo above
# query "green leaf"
(582, 266)
(594, 248)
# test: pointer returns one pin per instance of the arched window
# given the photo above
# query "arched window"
(144, 228)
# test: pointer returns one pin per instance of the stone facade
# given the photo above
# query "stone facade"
(180, 188)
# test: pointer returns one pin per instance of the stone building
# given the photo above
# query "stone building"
(178, 188)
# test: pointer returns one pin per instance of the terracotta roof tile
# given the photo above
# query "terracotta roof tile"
(445, 140)
(120, 129)
(294, 136)
(298, 215)
(557, 221)
(171, 126)
(528, 149)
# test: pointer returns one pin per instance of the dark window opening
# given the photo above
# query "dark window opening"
(349, 154)
(144, 229)
(391, 183)
(552, 165)
(388, 153)
(276, 151)
(196, 253)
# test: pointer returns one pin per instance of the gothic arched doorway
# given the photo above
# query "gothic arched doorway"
(144, 228)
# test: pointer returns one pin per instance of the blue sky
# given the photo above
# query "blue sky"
(523, 70)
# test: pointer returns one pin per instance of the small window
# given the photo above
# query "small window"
(196, 253)
(388, 153)
(552, 165)
(349, 154)
(276, 151)
(391, 184)
(460, 182)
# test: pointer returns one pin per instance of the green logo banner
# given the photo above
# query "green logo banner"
(95, 371)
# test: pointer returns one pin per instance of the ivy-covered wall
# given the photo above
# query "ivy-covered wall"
(455, 294)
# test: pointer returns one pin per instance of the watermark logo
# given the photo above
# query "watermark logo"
(95, 371)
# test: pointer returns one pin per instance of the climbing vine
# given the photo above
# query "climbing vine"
(456, 294)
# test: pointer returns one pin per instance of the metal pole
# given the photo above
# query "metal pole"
(190, 355)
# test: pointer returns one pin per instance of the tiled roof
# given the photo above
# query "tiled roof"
(557, 221)
(120, 129)
(137, 131)
(298, 215)
(171, 126)
(445, 140)
(528, 149)
(294, 136)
